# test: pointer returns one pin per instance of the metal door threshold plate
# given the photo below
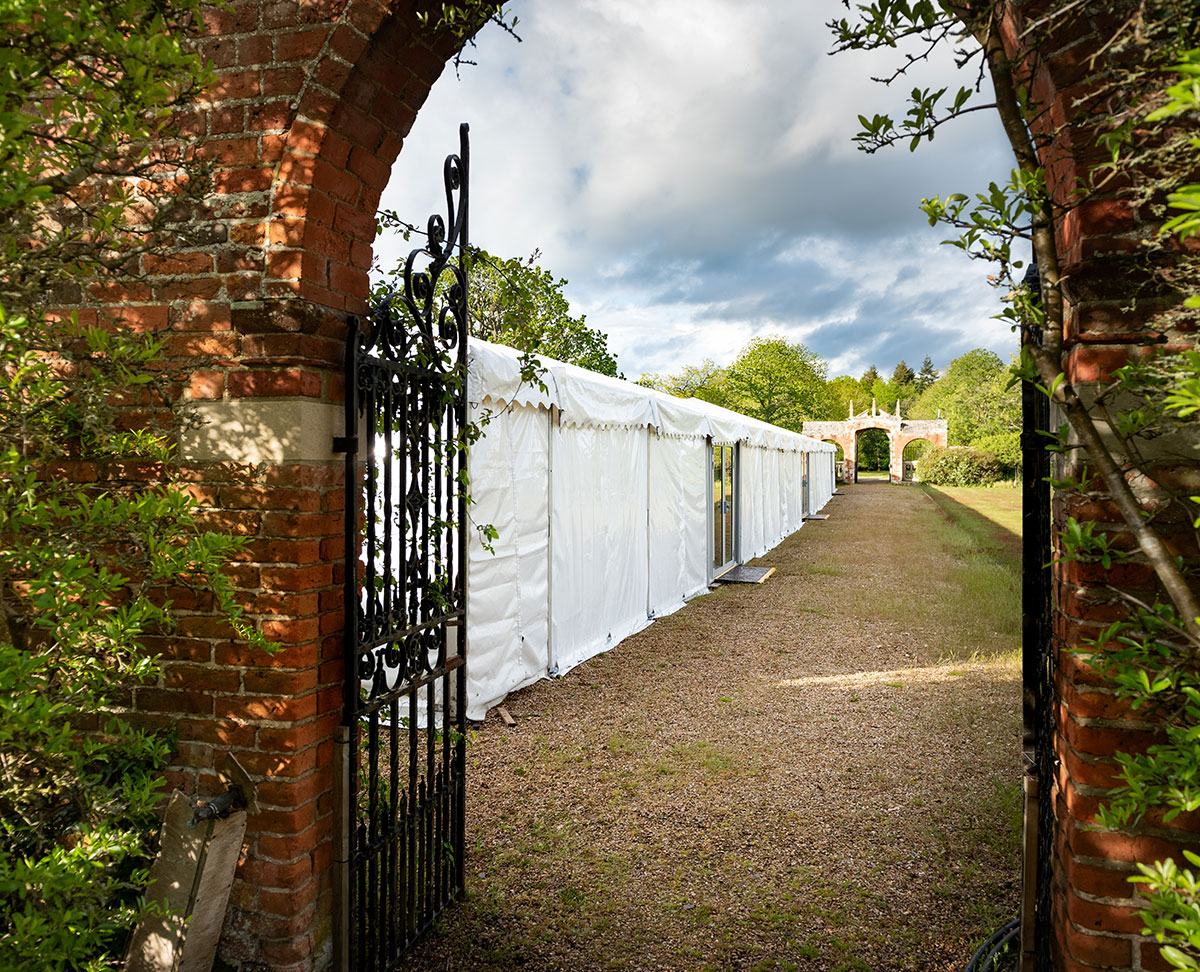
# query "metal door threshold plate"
(745, 575)
(816, 516)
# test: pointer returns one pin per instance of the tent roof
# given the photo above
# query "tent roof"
(586, 398)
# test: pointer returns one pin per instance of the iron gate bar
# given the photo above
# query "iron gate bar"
(401, 795)
(1038, 662)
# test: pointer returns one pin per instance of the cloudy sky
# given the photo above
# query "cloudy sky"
(688, 166)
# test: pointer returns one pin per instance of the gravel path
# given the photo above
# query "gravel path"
(799, 775)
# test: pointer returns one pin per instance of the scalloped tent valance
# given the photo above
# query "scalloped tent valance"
(590, 400)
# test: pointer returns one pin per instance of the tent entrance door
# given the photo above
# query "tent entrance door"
(400, 755)
(724, 472)
(805, 505)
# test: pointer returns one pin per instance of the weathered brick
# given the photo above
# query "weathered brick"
(206, 384)
(166, 700)
(294, 738)
(1115, 846)
(221, 732)
(1106, 741)
(1088, 362)
(304, 788)
(248, 708)
(1094, 949)
(300, 45)
(291, 656)
(286, 902)
(276, 874)
(1101, 882)
(200, 679)
(273, 384)
(1095, 916)
(302, 524)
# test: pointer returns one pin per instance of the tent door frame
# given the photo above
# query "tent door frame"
(732, 515)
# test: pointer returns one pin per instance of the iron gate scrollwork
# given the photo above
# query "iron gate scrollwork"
(401, 743)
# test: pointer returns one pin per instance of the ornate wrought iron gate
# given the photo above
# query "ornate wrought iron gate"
(401, 742)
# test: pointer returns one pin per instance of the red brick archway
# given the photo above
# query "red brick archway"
(308, 113)
(310, 109)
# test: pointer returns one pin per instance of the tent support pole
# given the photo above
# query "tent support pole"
(649, 446)
(551, 645)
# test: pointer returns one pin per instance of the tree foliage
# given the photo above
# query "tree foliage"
(873, 451)
(973, 397)
(705, 381)
(926, 376)
(958, 466)
(772, 379)
(88, 571)
(517, 303)
(778, 381)
(903, 374)
(87, 92)
(97, 537)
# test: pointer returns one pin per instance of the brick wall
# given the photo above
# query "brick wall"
(1099, 246)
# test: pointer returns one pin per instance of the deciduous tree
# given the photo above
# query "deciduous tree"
(778, 381)
(705, 381)
(516, 303)
(973, 397)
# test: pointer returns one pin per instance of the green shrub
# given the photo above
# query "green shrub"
(1005, 446)
(86, 570)
(88, 562)
(958, 466)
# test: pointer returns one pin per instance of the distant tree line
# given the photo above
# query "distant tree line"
(787, 384)
(517, 303)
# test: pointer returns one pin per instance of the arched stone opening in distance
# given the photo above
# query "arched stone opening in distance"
(872, 448)
(910, 453)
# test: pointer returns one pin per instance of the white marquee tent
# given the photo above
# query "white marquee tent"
(609, 500)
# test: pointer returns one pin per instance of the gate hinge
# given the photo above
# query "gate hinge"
(345, 443)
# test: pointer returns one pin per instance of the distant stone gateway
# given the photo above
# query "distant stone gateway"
(900, 432)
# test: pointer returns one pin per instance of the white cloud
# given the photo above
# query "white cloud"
(687, 164)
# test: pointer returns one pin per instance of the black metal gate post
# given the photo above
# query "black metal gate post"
(401, 746)
(1037, 671)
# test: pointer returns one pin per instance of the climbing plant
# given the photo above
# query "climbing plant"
(99, 541)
